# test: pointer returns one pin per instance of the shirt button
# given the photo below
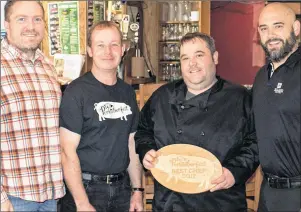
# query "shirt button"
(206, 109)
(182, 107)
(202, 133)
(179, 131)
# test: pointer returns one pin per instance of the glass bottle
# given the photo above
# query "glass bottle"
(171, 11)
(180, 11)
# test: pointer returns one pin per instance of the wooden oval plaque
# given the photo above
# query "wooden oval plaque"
(186, 168)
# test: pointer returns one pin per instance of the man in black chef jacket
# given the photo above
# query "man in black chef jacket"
(276, 101)
(206, 111)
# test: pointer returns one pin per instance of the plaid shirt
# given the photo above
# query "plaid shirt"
(30, 149)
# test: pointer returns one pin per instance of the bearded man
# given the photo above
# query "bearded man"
(31, 169)
(276, 103)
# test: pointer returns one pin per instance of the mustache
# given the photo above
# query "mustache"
(194, 69)
(273, 39)
(31, 32)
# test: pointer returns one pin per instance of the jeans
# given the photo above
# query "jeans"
(27, 205)
(114, 197)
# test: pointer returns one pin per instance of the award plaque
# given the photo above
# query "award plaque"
(186, 168)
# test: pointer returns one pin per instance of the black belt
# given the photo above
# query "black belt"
(282, 182)
(110, 178)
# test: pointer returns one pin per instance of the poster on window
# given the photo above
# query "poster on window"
(63, 21)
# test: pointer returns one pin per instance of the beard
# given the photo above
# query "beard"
(28, 50)
(28, 45)
(276, 55)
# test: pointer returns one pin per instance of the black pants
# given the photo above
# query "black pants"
(279, 200)
(104, 197)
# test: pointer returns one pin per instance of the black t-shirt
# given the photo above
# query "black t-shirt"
(104, 116)
(276, 103)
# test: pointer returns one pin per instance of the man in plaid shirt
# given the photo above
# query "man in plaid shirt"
(31, 172)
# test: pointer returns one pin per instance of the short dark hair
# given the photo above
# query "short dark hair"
(210, 43)
(102, 25)
(10, 3)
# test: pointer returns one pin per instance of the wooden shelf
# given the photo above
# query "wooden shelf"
(169, 61)
(140, 80)
(179, 22)
(155, 30)
(169, 41)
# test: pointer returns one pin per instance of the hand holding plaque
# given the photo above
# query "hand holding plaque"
(186, 168)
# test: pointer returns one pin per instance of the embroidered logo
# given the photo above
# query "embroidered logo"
(112, 110)
(278, 89)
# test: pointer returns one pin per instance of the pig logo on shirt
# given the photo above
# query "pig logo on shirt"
(112, 110)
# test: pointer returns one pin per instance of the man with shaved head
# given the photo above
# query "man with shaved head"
(276, 102)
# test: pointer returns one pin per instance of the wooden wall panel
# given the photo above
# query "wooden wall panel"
(45, 42)
(205, 17)
(151, 33)
(83, 26)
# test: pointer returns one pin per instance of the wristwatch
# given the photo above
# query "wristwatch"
(138, 189)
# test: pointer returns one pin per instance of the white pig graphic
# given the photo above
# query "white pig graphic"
(169, 163)
(112, 110)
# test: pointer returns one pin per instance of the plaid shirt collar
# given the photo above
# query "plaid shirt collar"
(17, 53)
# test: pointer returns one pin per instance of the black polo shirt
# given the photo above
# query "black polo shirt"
(276, 103)
(104, 116)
